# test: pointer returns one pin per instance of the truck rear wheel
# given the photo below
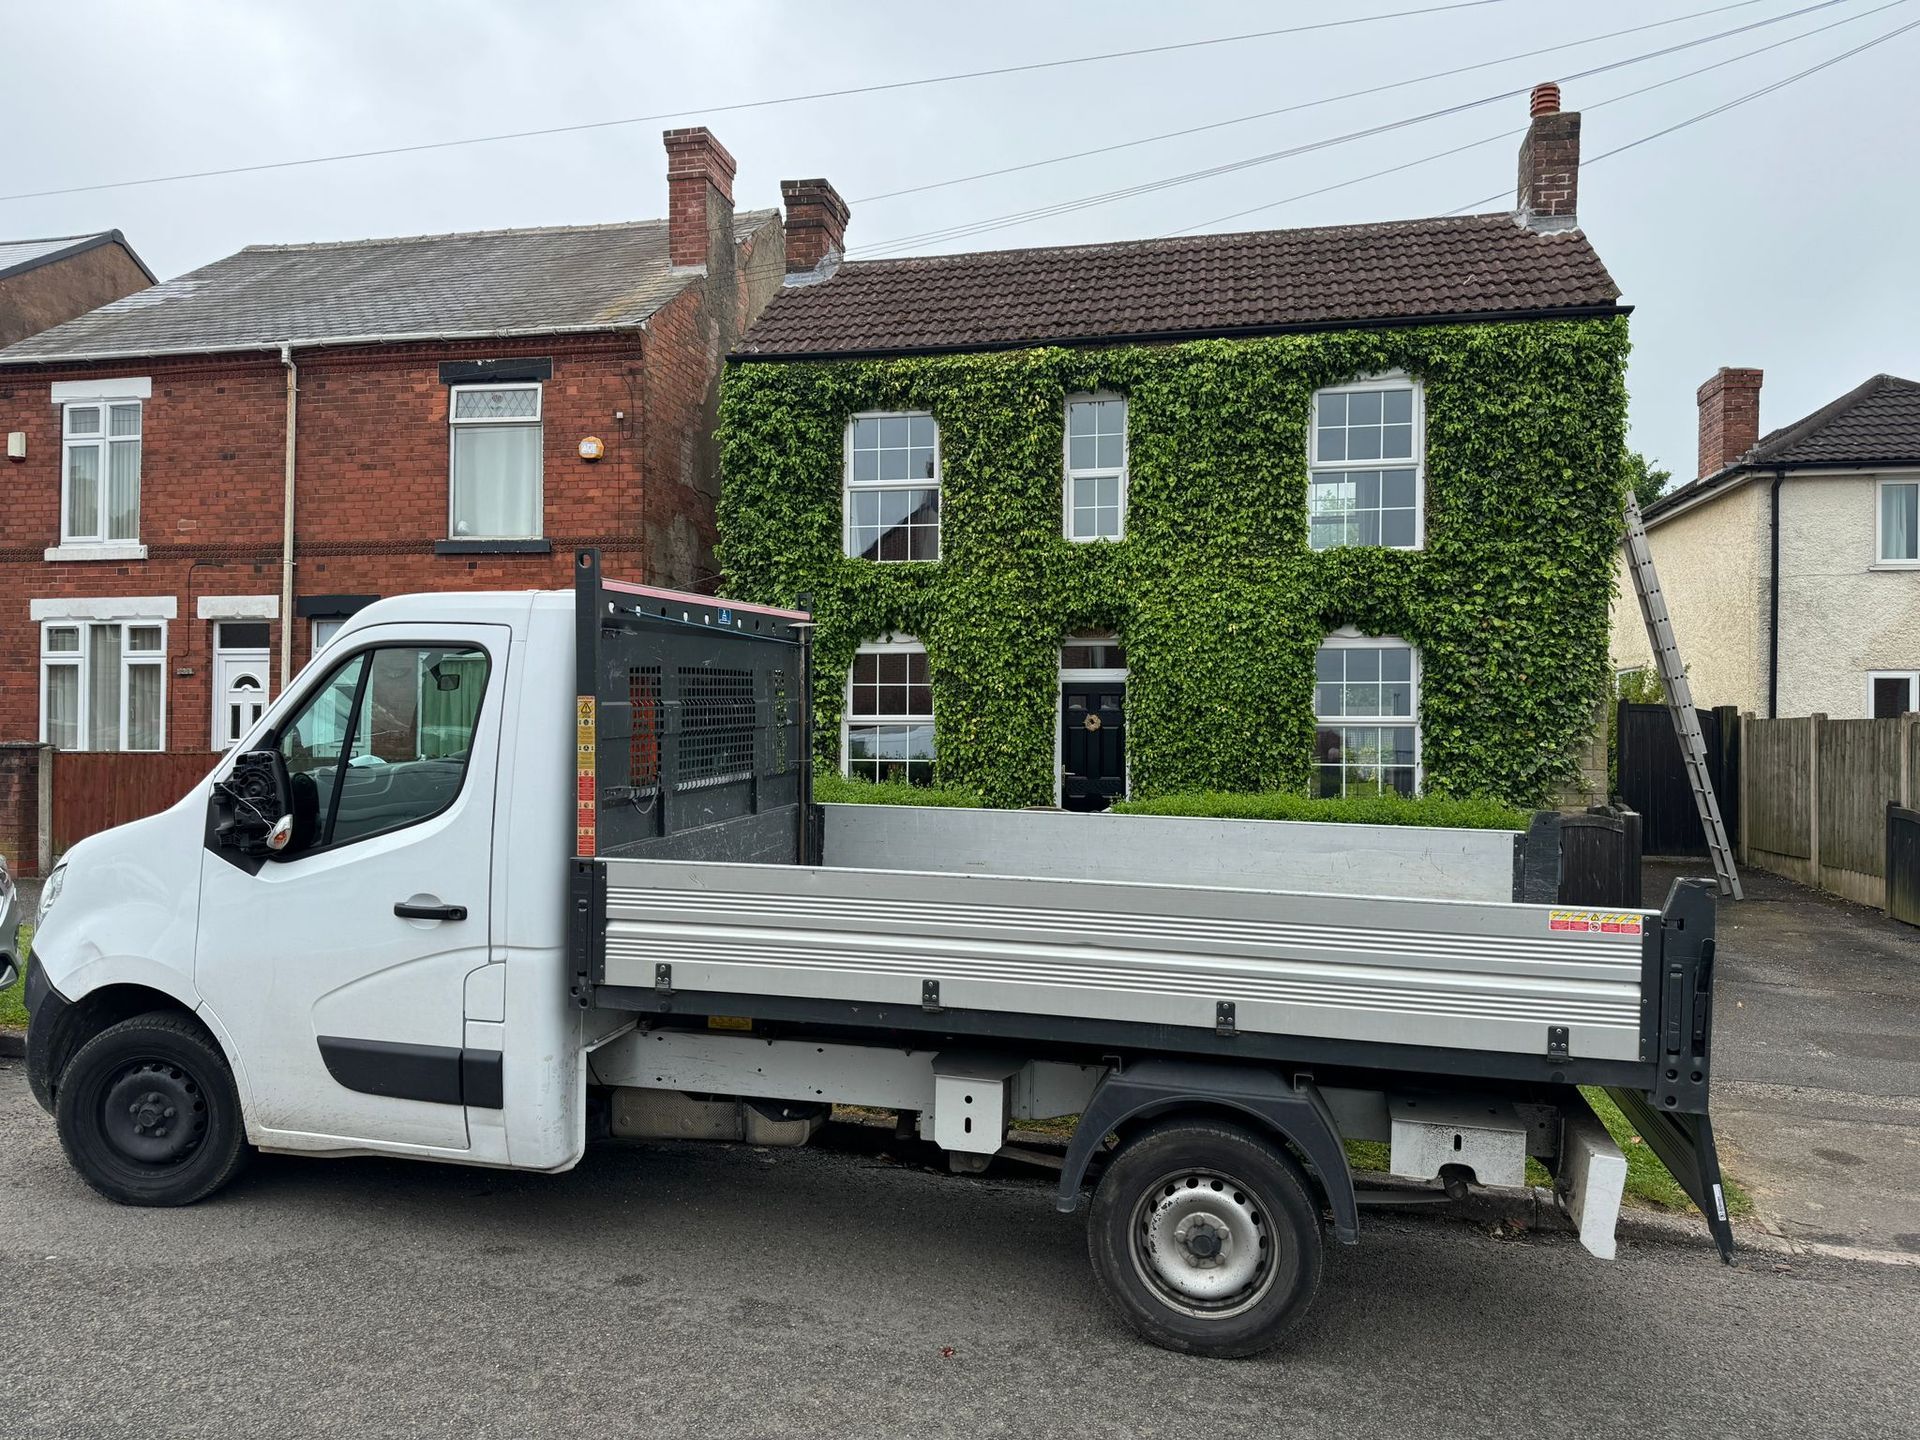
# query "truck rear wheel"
(1205, 1238)
(148, 1113)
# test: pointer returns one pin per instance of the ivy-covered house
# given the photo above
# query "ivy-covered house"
(1330, 510)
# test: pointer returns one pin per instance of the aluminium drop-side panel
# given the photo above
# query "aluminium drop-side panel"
(1455, 974)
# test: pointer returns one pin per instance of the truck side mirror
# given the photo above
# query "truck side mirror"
(253, 806)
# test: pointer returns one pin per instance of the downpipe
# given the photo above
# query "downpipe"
(286, 522)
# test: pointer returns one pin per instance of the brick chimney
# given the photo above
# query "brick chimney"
(1549, 164)
(699, 195)
(816, 224)
(1729, 417)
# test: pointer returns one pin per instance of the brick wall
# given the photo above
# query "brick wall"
(51, 294)
(373, 472)
(20, 807)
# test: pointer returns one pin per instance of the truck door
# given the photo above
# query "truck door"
(339, 966)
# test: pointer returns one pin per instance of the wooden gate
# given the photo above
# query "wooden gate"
(96, 790)
(1903, 864)
(1652, 781)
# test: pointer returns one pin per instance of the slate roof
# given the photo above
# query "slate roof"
(17, 256)
(1873, 424)
(472, 285)
(1450, 267)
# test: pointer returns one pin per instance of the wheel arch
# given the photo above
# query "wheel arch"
(61, 1026)
(1293, 1113)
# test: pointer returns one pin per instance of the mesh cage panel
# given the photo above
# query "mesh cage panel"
(716, 725)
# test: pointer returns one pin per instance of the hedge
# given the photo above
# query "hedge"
(1214, 593)
(1467, 814)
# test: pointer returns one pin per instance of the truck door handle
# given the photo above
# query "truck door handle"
(429, 912)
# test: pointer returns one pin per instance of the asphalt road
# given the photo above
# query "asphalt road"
(710, 1291)
(1816, 1064)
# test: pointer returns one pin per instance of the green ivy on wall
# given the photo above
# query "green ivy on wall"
(1213, 592)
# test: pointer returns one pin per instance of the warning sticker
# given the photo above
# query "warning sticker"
(1594, 922)
(585, 764)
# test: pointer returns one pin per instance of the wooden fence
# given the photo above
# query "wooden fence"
(1814, 796)
(96, 790)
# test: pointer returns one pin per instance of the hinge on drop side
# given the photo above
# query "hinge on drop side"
(930, 995)
(1557, 1042)
(663, 978)
(1223, 1021)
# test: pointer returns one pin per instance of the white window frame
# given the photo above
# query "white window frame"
(1095, 472)
(537, 420)
(1386, 380)
(891, 644)
(81, 659)
(316, 642)
(1912, 677)
(1881, 560)
(102, 444)
(848, 485)
(1349, 638)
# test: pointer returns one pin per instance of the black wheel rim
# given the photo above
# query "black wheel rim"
(154, 1113)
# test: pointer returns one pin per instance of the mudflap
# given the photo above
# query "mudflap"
(1684, 1144)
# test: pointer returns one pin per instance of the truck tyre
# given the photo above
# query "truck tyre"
(148, 1113)
(1206, 1238)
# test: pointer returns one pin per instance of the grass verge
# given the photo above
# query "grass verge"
(13, 1007)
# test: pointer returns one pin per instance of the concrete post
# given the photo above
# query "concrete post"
(1816, 732)
(1746, 789)
(44, 807)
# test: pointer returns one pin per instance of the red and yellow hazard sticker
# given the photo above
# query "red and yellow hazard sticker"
(586, 792)
(1593, 922)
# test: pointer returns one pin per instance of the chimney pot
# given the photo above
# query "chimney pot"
(699, 195)
(1729, 417)
(1549, 189)
(816, 224)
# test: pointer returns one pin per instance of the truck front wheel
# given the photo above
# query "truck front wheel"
(148, 1113)
(1205, 1238)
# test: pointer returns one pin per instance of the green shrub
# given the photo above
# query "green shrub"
(1468, 814)
(832, 788)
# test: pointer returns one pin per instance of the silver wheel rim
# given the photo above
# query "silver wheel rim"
(1201, 1240)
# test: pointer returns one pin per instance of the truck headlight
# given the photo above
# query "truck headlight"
(50, 892)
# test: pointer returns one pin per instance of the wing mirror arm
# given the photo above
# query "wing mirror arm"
(253, 806)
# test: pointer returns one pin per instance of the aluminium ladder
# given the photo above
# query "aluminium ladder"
(1673, 677)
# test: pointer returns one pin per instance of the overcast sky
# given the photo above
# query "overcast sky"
(1780, 235)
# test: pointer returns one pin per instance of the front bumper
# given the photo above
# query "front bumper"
(46, 1013)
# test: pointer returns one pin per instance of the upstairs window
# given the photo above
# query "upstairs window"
(888, 733)
(100, 472)
(1365, 469)
(1366, 709)
(893, 488)
(1899, 522)
(496, 462)
(1096, 499)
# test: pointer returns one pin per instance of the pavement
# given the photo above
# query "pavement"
(1816, 1064)
(667, 1290)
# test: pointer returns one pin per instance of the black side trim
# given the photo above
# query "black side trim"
(493, 547)
(480, 372)
(439, 1074)
(482, 1079)
(46, 1026)
(1306, 1051)
(331, 607)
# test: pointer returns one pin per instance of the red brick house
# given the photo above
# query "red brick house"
(46, 282)
(219, 469)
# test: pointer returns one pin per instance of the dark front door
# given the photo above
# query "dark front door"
(1093, 743)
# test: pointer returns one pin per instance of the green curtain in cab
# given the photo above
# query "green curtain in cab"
(448, 717)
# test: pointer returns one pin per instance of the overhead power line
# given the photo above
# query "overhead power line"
(1724, 107)
(725, 108)
(1302, 105)
(998, 222)
(1516, 131)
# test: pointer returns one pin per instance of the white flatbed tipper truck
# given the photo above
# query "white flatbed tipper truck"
(502, 872)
